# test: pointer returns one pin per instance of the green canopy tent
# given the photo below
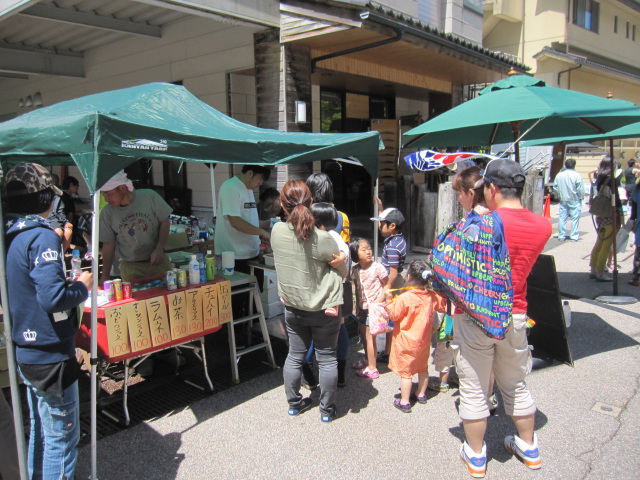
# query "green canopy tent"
(521, 104)
(104, 133)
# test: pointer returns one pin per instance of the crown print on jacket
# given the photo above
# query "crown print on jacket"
(48, 256)
(29, 335)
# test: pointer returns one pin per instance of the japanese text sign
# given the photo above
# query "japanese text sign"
(117, 331)
(158, 321)
(139, 332)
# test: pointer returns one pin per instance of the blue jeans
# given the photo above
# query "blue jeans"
(55, 432)
(302, 328)
(572, 210)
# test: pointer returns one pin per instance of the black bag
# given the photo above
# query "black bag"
(601, 204)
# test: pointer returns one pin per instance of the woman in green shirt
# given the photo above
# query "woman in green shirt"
(308, 285)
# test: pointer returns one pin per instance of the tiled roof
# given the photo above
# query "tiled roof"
(619, 69)
(449, 39)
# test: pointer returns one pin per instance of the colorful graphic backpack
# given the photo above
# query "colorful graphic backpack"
(471, 265)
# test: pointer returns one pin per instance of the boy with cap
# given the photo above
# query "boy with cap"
(394, 254)
(44, 321)
(526, 234)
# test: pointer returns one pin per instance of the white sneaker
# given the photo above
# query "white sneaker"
(529, 454)
(477, 464)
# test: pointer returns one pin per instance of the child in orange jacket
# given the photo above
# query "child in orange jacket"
(411, 313)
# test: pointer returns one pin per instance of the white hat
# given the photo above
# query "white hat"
(118, 179)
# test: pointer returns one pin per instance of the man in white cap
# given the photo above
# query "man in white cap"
(137, 222)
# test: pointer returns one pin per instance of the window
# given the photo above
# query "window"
(615, 24)
(628, 28)
(586, 14)
(331, 105)
(633, 33)
(473, 5)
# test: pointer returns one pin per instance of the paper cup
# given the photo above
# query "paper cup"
(228, 263)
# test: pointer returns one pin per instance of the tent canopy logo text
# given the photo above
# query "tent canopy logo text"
(143, 144)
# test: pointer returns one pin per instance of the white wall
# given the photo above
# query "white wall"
(197, 51)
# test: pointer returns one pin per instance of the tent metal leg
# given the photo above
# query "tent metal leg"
(125, 397)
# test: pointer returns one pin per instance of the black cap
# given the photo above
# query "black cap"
(503, 173)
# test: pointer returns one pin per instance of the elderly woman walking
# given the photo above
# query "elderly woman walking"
(308, 285)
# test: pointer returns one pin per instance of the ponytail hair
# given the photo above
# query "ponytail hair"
(420, 273)
(465, 180)
(295, 199)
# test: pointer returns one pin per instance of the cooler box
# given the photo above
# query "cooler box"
(269, 292)
(272, 309)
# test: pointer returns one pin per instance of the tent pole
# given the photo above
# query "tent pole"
(375, 223)
(213, 190)
(95, 236)
(515, 127)
(614, 217)
(11, 361)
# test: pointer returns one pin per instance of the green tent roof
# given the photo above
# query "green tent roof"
(628, 131)
(521, 101)
(105, 132)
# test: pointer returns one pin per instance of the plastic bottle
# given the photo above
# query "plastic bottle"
(76, 265)
(566, 309)
(210, 261)
(195, 231)
(194, 271)
(203, 268)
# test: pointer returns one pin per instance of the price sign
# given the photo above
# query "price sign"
(117, 331)
(178, 315)
(158, 321)
(224, 301)
(139, 332)
(194, 310)
(210, 315)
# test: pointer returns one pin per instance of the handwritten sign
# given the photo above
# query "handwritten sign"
(139, 332)
(224, 302)
(209, 294)
(178, 315)
(158, 321)
(117, 331)
(194, 310)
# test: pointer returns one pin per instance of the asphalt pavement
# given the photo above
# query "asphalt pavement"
(588, 419)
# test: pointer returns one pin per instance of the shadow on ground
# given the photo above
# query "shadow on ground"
(590, 335)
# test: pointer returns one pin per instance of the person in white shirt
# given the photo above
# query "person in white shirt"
(237, 227)
(569, 188)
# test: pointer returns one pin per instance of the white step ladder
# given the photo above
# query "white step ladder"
(254, 299)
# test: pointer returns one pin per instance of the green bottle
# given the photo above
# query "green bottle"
(210, 261)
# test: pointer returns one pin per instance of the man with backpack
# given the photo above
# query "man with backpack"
(476, 353)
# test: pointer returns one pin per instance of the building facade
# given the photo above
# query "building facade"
(584, 45)
(299, 65)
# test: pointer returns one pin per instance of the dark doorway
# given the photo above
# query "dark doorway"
(140, 173)
(439, 103)
(352, 185)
